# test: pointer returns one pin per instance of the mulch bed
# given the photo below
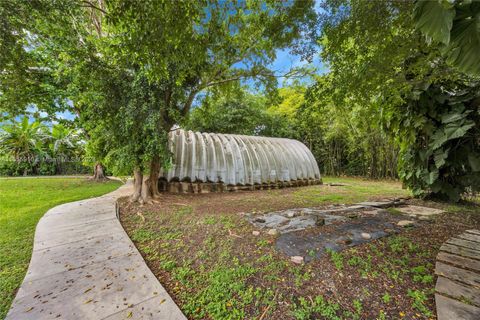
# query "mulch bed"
(199, 233)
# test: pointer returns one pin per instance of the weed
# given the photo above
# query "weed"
(308, 309)
(466, 300)
(354, 261)
(141, 235)
(210, 220)
(227, 222)
(262, 243)
(168, 265)
(419, 298)
(224, 294)
(337, 258)
(386, 298)
(181, 274)
(412, 247)
(382, 315)
(300, 277)
(173, 235)
(396, 244)
(421, 274)
(364, 265)
(184, 211)
(357, 304)
(394, 211)
(391, 272)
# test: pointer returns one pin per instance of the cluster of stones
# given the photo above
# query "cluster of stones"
(354, 224)
(301, 218)
(294, 219)
(207, 187)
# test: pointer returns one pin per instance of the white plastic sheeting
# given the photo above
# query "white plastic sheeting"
(238, 159)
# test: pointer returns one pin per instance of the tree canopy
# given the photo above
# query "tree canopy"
(132, 69)
(402, 85)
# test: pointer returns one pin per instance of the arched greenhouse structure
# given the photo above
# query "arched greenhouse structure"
(204, 162)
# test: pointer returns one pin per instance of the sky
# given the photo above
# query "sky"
(286, 61)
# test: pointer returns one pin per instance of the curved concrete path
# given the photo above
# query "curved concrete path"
(84, 266)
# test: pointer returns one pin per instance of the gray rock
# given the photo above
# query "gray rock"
(366, 235)
(290, 214)
(377, 204)
(297, 259)
(419, 211)
(405, 223)
(425, 218)
(272, 232)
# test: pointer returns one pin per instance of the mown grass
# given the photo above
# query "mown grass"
(355, 190)
(23, 201)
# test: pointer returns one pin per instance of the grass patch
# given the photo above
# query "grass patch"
(23, 202)
(355, 190)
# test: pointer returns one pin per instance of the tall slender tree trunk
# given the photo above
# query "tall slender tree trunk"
(98, 172)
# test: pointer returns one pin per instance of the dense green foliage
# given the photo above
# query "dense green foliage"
(32, 147)
(23, 201)
(345, 141)
(239, 113)
(439, 134)
(391, 97)
(379, 61)
(455, 24)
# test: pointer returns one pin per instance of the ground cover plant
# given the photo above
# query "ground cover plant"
(23, 201)
(203, 251)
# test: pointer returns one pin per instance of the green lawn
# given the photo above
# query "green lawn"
(23, 201)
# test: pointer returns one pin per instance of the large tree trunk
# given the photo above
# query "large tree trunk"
(153, 178)
(98, 172)
(137, 185)
(146, 187)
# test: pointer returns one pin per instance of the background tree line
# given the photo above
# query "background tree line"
(400, 97)
(343, 142)
(36, 147)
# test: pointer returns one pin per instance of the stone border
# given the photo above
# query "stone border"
(207, 187)
(84, 266)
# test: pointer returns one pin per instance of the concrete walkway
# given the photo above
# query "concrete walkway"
(84, 266)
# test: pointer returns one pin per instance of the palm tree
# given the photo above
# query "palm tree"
(23, 140)
(64, 143)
